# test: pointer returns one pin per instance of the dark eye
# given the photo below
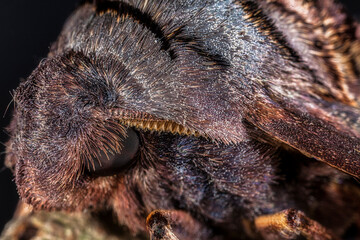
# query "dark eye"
(111, 163)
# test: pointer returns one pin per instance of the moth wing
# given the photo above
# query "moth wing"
(330, 133)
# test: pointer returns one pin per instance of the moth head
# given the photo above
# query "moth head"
(65, 145)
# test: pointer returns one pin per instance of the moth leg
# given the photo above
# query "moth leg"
(290, 224)
(174, 225)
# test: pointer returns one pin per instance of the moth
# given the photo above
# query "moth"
(193, 119)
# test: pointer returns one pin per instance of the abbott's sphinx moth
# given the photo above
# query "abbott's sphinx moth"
(216, 119)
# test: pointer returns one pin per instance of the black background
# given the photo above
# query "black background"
(26, 30)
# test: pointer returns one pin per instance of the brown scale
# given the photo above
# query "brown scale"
(193, 120)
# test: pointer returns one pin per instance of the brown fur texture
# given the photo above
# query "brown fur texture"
(230, 102)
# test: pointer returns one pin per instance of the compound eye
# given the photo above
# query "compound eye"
(111, 163)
